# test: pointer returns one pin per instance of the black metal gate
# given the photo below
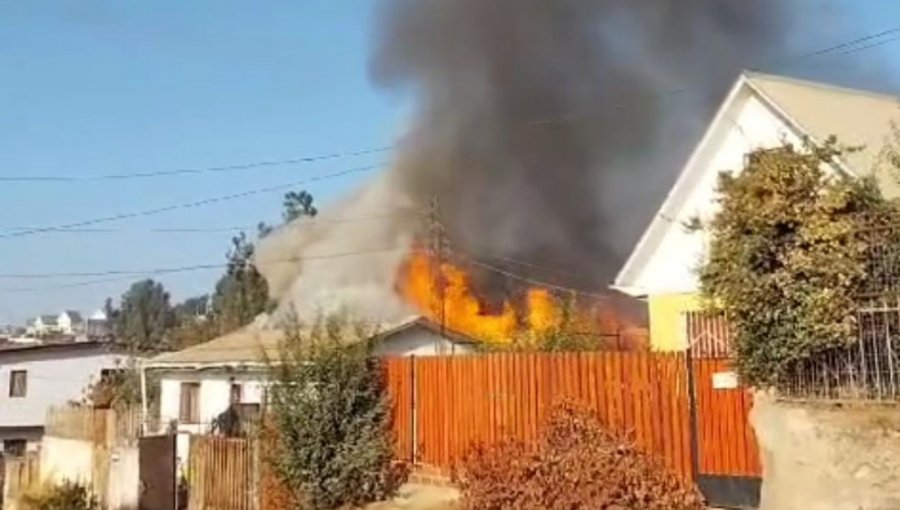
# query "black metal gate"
(156, 459)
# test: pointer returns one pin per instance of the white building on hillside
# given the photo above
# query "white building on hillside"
(43, 325)
(35, 377)
(70, 323)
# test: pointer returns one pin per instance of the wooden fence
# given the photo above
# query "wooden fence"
(463, 401)
(221, 473)
(444, 406)
(99, 426)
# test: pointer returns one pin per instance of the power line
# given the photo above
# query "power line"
(191, 171)
(307, 223)
(532, 281)
(122, 275)
(850, 46)
(188, 205)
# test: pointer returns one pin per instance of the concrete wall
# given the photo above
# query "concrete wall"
(824, 457)
(66, 459)
(124, 478)
(113, 472)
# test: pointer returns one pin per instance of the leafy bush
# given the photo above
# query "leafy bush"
(786, 262)
(65, 496)
(575, 465)
(332, 417)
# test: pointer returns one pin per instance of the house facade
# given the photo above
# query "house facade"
(70, 323)
(199, 383)
(36, 377)
(760, 111)
(43, 325)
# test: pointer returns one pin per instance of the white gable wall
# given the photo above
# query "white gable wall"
(53, 378)
(747, 124)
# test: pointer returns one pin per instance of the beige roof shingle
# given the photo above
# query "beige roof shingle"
(247, 346)
(855, 117)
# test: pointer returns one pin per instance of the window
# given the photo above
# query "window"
(14, 447)
(236, 393)
(189, 411)
(18, 383)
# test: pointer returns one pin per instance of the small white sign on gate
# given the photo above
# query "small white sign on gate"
(725, 380)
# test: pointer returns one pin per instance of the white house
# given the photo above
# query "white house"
(199, 383)
(761, 111)
(35, 377)
(97, 325)
(70, 323)
(43, 325)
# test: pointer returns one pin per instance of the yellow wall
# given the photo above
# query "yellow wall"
(666, 321)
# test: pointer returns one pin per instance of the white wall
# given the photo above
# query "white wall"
(55, 377)
(419, 341)
(67, 459)
(750, 125)
(215, 397)
(124, 478)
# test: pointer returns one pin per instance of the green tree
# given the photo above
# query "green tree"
(297, 204)
(332, 417)
(785, 262)
(241, 293)
(194, 323)
(144, 317)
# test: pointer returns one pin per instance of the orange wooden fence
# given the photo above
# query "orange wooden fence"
(221, 474)
(726, 442)
(466, 400)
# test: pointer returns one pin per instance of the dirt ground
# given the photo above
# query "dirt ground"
(420, 497)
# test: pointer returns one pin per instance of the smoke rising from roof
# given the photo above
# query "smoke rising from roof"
(549, 129)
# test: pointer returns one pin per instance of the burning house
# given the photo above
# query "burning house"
(542, 134)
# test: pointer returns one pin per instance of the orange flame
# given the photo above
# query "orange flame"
(542, 312)
(462, 312)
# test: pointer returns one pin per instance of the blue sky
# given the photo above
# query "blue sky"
(93, 88)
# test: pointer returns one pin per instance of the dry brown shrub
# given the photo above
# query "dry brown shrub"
(576, 464)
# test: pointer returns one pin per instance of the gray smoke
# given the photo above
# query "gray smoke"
(548, 129)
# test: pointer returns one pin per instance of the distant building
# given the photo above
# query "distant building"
(70, 323)
(44, 325)
(38, 376)
(97, 326)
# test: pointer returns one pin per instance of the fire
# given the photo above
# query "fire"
(461, 311)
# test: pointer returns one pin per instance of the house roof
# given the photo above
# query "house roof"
(246, 346)
(16, 348)
(74, 316)
(424, 322)
(48, 320)
(855, 117)
(815, 110)
(251, 346)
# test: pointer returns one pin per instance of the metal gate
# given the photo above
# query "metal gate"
(156, 460)
(725, 452)
(727, 457)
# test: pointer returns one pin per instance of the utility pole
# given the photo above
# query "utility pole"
(437, 250)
